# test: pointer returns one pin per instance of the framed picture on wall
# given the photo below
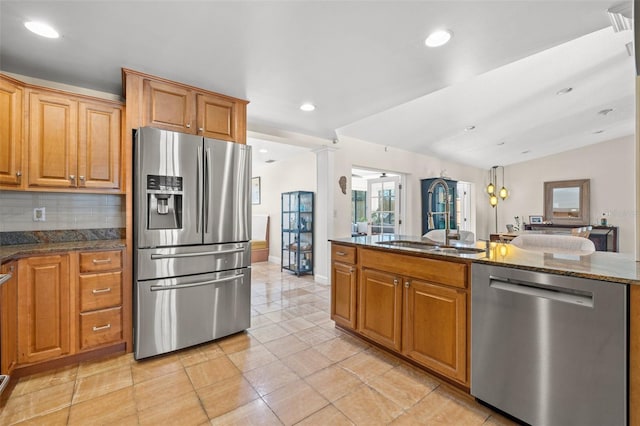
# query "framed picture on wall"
(535, 220)
(255, 190)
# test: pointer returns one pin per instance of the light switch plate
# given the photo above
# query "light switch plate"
(39, 214)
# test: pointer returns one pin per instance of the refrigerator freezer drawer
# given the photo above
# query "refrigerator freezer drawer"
(179, 261)
(175, 313)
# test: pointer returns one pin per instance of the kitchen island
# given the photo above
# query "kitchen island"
(415, 300)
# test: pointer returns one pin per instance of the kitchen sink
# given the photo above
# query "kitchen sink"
(432, 247)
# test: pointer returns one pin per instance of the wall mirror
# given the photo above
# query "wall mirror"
(566, 202)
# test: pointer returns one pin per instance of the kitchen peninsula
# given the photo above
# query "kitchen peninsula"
(414, 299)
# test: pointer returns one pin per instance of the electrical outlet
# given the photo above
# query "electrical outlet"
(39, 214)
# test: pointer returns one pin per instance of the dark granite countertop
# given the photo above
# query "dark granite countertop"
(16, 251)
(604, 266)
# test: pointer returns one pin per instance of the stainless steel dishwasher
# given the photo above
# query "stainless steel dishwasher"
(549, 349)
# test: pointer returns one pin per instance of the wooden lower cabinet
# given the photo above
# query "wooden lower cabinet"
(343, 294)
(67, 304)
(380, 306)
(43, 308)
(418, 307)
(9, 319)
(435, 327)
(100, 290)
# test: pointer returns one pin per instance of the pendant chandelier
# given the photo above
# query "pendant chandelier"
(493, 185)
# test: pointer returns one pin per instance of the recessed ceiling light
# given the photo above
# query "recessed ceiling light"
(262, 151)
(598, 132)
(469, 128)
(41, 29)
(564, 91)
(307, 107)
(500, 143)
(605, 111)
(526, 152)
(438, 38)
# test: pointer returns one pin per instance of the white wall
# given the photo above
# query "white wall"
(294, 174)
(356, 153)
(611, 168)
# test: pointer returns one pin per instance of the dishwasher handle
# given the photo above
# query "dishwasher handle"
(559, 294)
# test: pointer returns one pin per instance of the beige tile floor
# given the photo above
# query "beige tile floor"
(291, 367)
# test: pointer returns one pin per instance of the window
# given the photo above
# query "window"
(358, 206)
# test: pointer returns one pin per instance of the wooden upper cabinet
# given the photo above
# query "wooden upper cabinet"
(169, 107)
(157, 102)
(221, 118)
(73, 142)
(44, 308)
(11, 121)
(52, 140)
(100, 134)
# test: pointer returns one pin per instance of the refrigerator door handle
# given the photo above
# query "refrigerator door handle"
(202, 253)
(198, 190)
(197, 284)
(207, 174)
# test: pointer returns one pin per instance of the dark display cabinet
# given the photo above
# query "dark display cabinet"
(297, 232)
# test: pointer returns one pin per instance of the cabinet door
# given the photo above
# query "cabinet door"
(379, 308)
(434, 328)
(343, 294)
(9, 319)
(11, 114)
(217, 118)
(53, 125)
(99, 145)
(43, 308)
(168, 107)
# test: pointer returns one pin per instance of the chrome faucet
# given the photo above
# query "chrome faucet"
(447, 200)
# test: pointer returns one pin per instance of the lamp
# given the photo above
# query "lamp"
(491, 190)
(493, 184)
(503, 191)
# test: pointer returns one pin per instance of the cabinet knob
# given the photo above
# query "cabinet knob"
(188, 125)
(395, 281)
(18, 174)
(350, 269)
(201, 129)
(82, 178)
(407, 284)
(72, 178)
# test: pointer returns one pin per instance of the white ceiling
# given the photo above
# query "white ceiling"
(362, 63)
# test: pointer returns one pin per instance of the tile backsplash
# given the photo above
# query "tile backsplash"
(62, 211)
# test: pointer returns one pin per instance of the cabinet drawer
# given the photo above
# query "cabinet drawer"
(99, 291)
(432, 270)
(345, 254)
(100, 261)
(100, 327)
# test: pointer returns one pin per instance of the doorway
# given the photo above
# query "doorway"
(376, 202)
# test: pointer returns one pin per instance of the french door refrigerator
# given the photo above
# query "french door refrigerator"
(192, 228)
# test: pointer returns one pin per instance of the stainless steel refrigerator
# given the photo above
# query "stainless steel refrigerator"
(192, 226)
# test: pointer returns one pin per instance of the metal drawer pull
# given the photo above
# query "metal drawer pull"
(341, 253)
(206, 253)
(103, 327)
(197, 284)
(101, 290)
(98, 261)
